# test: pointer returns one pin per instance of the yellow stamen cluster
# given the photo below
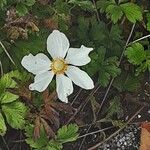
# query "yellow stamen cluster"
(59, 66)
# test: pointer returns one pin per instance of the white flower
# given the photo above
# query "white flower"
(64, 61)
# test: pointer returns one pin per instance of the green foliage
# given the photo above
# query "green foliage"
(38, 143)
(107, 67)
(67, 133)
(3, 127)
(22, 6)
(2, 3)
(84, 4)
(139, 57)
(132, 12)
(64, 135)
(79, 20)
(7, 82)
(15, 114)
(115, 108)
(127, 82)
(148, 21)
(13, 110)
(115, 11)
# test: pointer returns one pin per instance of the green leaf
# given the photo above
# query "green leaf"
(135, 54)
(62, 7)
(132, 12)
(21, 9)
(67, 133)
(115, 108)
(148, 21)
(7, 82)
(2, 125)
(54, 145)
(15, 114)
(84, 4)
(29, 2)
(127, 82)
(7, 97)
(39, 143)
(114, 12)
(139, 57)
(103, 4)
(109, 68)
(3, 3)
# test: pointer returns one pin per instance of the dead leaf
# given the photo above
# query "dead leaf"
(48, 129)
(95, 107)
(63, 107)
(37, 126)
(50, 23)
(145, 136)
(51, 115)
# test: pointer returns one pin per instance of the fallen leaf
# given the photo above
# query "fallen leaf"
(145, 136)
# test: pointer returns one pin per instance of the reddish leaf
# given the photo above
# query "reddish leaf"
(145, 136)
(48, 129)
(63, 107)
(50, 114)
(146, 125)
(49, 98)
(37, 126)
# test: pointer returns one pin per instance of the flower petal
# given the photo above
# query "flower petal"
(64, 87)
(79, 77)
(57, 44)
(41, 81)
(78, 56)
(36, 64)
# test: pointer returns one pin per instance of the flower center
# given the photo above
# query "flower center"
(59, 66)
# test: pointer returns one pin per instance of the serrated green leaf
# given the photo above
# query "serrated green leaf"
(67, 133)
(54, 145)
(7, 82)
(114, 12)
(104, 78)
(126, 82)
(21, 9)
(2, 125)
(141, 68)
(62, 7)
(7, 97)
(109, 68)
(115, 108)
(103, 4)
(132, 12)
(148, 21)
(135, 54)
(29, 2)
(84, 4)
(15, 114)
(139, 57)
(39, 143)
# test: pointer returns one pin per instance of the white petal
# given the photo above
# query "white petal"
(78, 56)
(57, 44)
(36, 64)
(79, 77)
(64, 87)
(41, 81)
